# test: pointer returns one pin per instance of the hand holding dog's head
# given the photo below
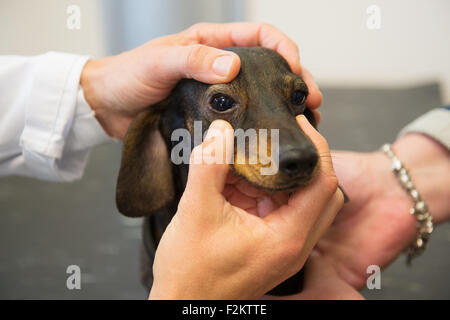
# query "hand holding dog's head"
(265, 95)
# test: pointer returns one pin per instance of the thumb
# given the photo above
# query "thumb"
(199, 62)
(209, 161)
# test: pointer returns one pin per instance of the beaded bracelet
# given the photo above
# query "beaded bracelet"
(424, 223)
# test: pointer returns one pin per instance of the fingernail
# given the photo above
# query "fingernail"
(302, 118)
(217, 127)
(213, 145)
(303, 121)
(222, 65)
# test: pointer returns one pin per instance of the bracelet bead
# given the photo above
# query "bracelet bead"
(424, 223)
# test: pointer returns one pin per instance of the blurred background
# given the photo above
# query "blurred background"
(376, 76)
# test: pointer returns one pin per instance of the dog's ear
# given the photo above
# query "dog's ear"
(145, 183)
(310, 116)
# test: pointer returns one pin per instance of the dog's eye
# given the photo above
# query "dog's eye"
(222, 102)
(298, 97)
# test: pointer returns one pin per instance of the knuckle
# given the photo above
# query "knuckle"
(193, 33)
(268, 26)
(198, 26)
(195, 56)
(188, 36)
(331, 183)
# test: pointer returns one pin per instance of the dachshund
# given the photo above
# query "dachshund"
(264, 95)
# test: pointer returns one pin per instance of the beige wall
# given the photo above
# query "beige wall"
(30, 27)
(412, 46)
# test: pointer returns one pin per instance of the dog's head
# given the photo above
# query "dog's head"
(265, 95)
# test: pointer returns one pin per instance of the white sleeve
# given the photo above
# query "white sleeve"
(434, 123)
(46, 126)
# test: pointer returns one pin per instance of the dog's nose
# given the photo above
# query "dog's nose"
(296, 162)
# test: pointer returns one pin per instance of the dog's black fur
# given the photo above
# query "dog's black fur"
(150, 185)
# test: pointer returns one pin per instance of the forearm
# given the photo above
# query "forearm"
(47, 126)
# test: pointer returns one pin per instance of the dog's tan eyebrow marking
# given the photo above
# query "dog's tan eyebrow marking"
(288, 83)
(288, 79)
(291, 81)
(219, 87)
(300, 84)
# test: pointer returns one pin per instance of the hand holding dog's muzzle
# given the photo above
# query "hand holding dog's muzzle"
(214, 249)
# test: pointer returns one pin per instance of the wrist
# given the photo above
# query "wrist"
(429, 166)
(92, 81)
(92, 84)
(390, 191)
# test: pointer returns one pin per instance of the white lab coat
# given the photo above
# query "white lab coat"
(46, 126)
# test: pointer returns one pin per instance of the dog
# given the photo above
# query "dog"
(264, 95)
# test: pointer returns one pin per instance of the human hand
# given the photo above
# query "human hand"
(119, 87)
(322, 282)
(213, 249)
(375, 226)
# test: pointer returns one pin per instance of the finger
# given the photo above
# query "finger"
(246, 34)
(324, 186)
(321, 225)
(326, 165)
(209, 162)
(199, 62)
(306, 204)
(324, 222)
(314, 99)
